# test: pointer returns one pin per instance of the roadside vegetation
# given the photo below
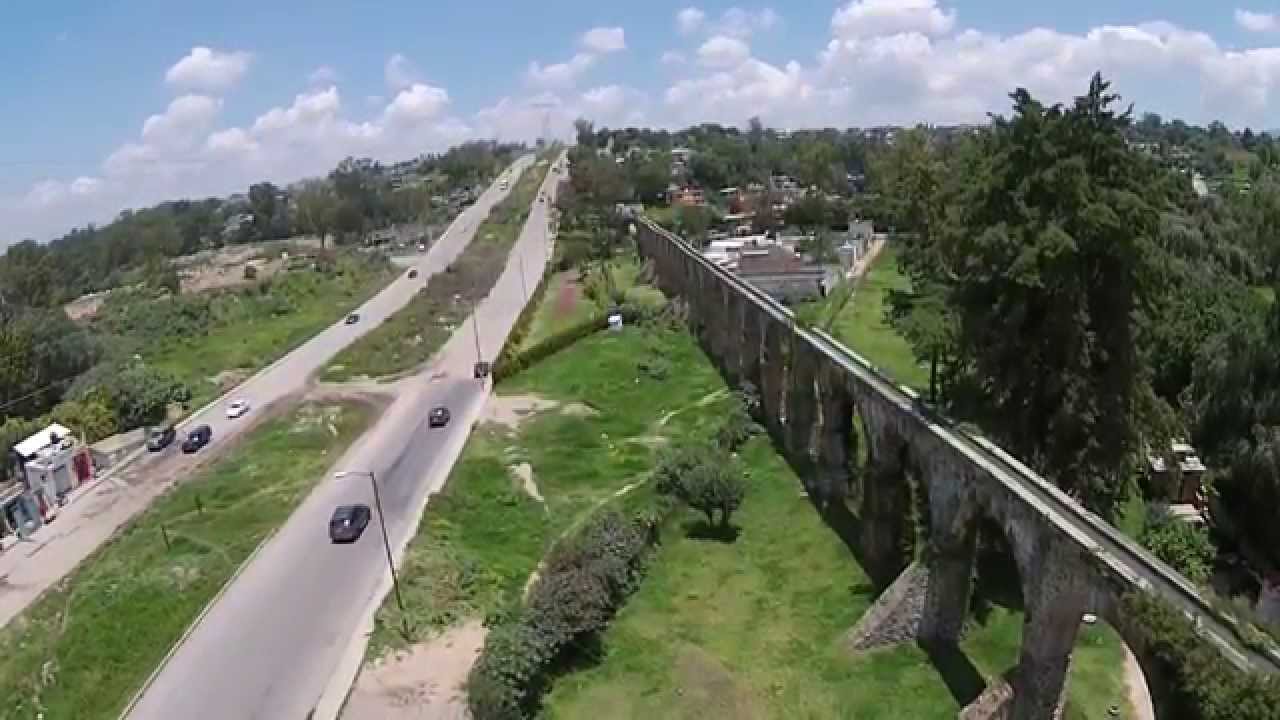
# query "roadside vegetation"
(87, 645)
(616, 403)
(152, 334)
(411, 336)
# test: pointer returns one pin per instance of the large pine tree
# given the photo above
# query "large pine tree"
(1050, 252)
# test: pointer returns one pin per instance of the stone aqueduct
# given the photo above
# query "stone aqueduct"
(813, 391)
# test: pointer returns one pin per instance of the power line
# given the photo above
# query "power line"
(35, 392)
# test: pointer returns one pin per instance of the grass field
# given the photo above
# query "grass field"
(249, 341)
(483, 535)
(863, 326)
(413, 334)
(88, 644)
(752, 629)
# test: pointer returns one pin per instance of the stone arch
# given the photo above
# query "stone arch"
(885, 509)
(1157, 676)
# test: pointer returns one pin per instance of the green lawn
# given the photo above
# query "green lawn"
(483, 535)
(90, 642)
(863, 327)
(752, 629)
(250, 340)
(414, 333)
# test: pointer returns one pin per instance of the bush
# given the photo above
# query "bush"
(139, 395)
(738, 425)
(583, 584)
(1185, 548)
(1205, 687)
(512, 362)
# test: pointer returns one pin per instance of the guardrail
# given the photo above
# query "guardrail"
(1125, 556)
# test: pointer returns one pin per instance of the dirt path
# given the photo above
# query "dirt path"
(422, 683)
(1139, 694)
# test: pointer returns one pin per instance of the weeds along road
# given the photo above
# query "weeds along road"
(88, 522)
(290, 629)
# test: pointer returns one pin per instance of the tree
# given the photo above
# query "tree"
(693, 221)
(585, 132)
(316, 202)
(262, 203)
(650, 178)
(714, 485)
(1051, 249)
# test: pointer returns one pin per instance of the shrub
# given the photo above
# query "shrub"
(512, 362)
(1204, 686)
(584, 582)
(738, 425)
(1185, 548)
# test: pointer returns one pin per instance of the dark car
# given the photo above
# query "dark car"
(439, 417)
(413, 273)
(348, 523)
(353, 318)
(160, 437)
(480, 370)
(199, 436)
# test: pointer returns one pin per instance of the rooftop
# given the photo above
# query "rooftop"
(774, 260)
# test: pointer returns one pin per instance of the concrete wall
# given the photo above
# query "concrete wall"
(812, 400)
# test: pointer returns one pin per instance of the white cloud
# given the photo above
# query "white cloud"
(84, 186)
(231, 141)
(399, 72)
(1256, 21)
(721, 52)
(559, 75)
(322, 76)
(207, 69)
(603, 40)
(743, 23)
(673, 57)
(416, 104)
(186, 120)
(871, 18)
(689, 20)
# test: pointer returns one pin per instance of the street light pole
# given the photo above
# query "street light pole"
(523, 284)
(386, 545)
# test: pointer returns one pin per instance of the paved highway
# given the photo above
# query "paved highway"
(269, 646)
(92, 517)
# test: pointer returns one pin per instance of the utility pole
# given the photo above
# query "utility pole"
(386, 544)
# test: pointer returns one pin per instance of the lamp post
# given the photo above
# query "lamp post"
(523, 283)
(386, 542)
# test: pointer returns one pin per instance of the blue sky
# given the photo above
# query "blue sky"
(121, 103)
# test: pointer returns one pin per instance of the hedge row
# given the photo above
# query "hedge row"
(584, 583)
(513, 361)
(1204, 687)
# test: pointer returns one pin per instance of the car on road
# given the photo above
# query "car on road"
(348, 523)
(199, 436)
(160, 437)
(237, 408)
(413, 273)
(438, 417)
(353, 318)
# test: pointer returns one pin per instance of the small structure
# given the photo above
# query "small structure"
(782, 274)
(48, 465)
(1177, 475)
(687, 196)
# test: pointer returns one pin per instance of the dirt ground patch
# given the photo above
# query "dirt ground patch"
(511, 410)
(421, 683)
(524, 471)
(567, 298)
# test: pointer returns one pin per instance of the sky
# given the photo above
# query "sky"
(115, 104)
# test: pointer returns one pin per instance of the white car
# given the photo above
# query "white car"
(237, 408)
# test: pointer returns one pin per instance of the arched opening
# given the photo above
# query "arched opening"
(1001, 616)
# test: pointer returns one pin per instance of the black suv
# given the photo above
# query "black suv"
(199, 436)
(439, 417)
(160, 437)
